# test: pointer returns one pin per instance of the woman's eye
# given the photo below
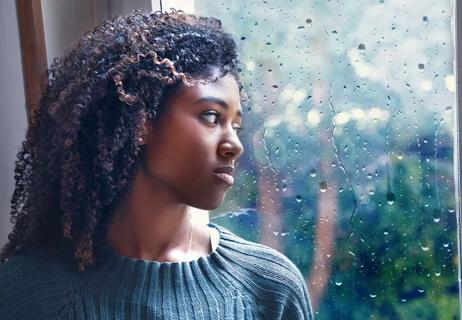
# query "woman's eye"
(238, 129)
(211, 116)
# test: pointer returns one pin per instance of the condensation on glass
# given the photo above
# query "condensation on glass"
(349, 135)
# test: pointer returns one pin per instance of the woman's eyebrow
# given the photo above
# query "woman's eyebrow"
(218, 101)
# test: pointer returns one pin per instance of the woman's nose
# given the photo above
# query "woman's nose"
(231, 146)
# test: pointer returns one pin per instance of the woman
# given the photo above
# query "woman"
(139, 123)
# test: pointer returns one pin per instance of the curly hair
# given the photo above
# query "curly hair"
(82, 149)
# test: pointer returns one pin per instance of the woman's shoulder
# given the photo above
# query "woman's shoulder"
(33, 284)
(256, 255)
(44, 260)
(273, 278)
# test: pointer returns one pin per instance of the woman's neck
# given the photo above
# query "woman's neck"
(150, 225)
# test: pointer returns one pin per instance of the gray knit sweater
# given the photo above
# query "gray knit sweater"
(239, 280)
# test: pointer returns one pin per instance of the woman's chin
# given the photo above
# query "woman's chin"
(211, 203)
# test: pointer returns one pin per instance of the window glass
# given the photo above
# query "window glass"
(348, 168)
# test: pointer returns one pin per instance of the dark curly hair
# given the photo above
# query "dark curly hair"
(82, 148)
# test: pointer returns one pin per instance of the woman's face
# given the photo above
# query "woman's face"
(193, 139)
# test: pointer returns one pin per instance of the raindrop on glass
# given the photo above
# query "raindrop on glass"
(298, 198)
(372, 295)
(323, 186)
(338, 283)
(309, 22)
(362, 48)
(400, 155)
(390, 198)
(371, 192)
(436, 215)
(421, 67)
(424, 248)
(425, 21)
(313, 172)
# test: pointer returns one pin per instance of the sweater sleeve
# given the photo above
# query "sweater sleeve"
(298, 304)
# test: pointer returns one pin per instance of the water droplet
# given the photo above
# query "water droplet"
(298, 198)
(421, 67)
(362, 48)
(451, 210)
(385, 232)
(276, 151)
(372, 295)
(338, 283)
(400, 155)
(448, 108)
(390, 198)
(421, 290)
(369, 175)
(446, 244)
(424, 248)
(309, 22)
(437, 273)
(436, 215)
(313, 172)
(371, 192)
(425, 21)
(284, 187)
(323, 186)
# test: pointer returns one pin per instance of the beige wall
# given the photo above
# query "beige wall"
(65, 21)
(13, 119)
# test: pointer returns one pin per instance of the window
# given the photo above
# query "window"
(349, 156)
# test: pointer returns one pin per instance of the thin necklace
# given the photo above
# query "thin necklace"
(190, 232)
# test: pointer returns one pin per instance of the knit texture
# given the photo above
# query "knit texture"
(239, 280)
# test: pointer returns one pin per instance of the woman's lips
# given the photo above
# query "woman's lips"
(229, 179)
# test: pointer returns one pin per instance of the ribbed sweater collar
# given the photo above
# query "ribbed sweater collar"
(108, 252)
(126, 275)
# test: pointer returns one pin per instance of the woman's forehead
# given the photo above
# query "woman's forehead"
(225, 89)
